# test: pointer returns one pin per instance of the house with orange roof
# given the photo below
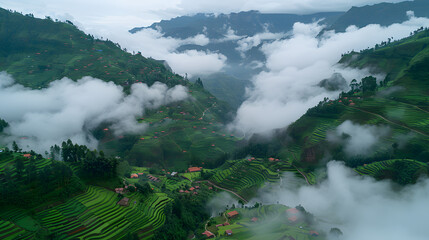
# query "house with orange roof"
(208, 234)
(232, 214)
(194, 169)
(292, 211)
(134, 175)
(228, 232)
(27, 155)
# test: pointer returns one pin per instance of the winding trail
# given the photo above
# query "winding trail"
(204, 113)
(387, 120)
(305, 177)
(236, 194)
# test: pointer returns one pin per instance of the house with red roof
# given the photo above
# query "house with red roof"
(208, 234)
(119, 190)
(27, 155)
(292, 211)
(254, 219)
(314, 233)
(232, 214)
(228, 232)
(194, 169)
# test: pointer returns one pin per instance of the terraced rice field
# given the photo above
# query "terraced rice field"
(319, 133)
(244, 174)
(373, 168)
(16, 224)
(9, 230)
(95, 215)
(401, 113)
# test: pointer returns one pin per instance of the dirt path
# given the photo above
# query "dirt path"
(387, 120)
(204, 113)
(305, 177)
(236, 194)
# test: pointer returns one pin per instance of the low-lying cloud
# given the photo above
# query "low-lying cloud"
(70, 109)
(152, 43)
(360, 206)
(284, 92)
(357, 139)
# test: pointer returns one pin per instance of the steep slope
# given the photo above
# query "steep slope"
(38, 51)
(384, 14)
(395, 114)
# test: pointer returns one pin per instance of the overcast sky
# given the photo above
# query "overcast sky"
(97, 16)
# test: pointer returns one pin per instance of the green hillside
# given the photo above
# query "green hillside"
(269, 222)
(400, 102)
(38, 51)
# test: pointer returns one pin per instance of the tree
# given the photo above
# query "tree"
(369, 84)
(19, 165)
(354, 85)
(3, 124)
(199, 83)
(15, 147)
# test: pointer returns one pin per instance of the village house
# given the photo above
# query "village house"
(314, 233)
(27, 155)
(254, 219)
(194, 169)
(292, 214)
(232, 214)
(134, 175)
(208, 234)
(228, 232)
(119, 190)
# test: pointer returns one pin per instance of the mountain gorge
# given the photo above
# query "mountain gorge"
(99, 143)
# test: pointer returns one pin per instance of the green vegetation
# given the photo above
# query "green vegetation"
(401, 171)
(38, 51)
(271, 223)
(245, 177)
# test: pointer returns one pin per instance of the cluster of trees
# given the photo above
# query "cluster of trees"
(402, 172)
(25, 185)
(183, 216)
(92, 163)
(325, 110)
